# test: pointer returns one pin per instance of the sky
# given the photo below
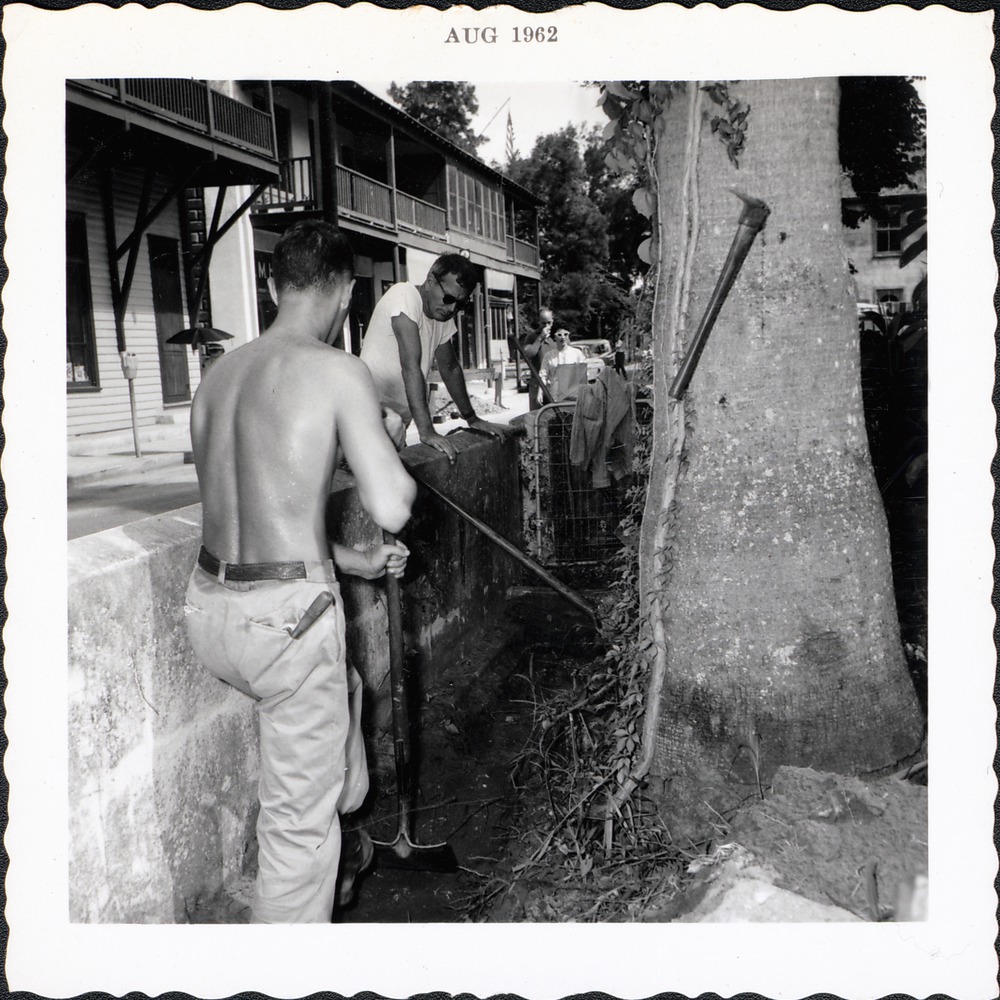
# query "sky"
(535, 108)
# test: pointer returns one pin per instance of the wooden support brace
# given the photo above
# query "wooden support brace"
(144, 219)
(108, 204)
(229, 223)
(133, 253)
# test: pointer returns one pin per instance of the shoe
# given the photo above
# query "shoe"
(357, 852)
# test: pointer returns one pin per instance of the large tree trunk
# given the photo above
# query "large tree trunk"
(764, 562)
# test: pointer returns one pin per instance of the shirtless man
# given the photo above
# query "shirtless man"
(413, 325)
(269, 424)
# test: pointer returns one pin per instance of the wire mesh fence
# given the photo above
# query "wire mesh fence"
(570, 524)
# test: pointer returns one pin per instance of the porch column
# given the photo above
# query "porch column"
(513, 338)
(327, 154)
(392, 174)
(481, 300)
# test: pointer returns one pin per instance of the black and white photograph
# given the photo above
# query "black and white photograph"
(506, 501)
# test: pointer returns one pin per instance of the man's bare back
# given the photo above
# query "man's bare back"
(268, 425)
(263, 609)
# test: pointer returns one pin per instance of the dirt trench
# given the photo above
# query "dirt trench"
(829, 838)
(469, 728)
(469, 732)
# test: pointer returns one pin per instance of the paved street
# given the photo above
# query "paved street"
(124, 498)
(129, 490)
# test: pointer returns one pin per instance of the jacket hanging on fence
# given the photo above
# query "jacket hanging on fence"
(601, 439)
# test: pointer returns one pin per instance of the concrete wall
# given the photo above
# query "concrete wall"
(163, 757)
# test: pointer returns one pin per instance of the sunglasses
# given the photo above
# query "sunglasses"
(450, 300)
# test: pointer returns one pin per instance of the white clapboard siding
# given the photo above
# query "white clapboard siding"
(107, 409)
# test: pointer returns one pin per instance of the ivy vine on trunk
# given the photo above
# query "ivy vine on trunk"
(784, 641)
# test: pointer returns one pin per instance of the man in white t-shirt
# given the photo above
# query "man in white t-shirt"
(412, 326)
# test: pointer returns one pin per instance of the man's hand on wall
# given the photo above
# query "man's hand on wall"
(481, 426)
(439, 442)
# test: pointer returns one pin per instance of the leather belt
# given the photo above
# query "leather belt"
(248, 572)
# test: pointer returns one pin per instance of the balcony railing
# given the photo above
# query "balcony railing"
(420, 216)
(194, 104)
(363, 198)
(524, 252)
(294, 188)
(370, 201)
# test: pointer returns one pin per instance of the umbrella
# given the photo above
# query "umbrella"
(199, 335)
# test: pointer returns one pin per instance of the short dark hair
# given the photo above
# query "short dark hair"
(464, 270)
(311, 254)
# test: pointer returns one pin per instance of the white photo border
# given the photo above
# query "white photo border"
(952, 953)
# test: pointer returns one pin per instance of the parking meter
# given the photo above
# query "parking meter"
(130, 364)
(130, 368)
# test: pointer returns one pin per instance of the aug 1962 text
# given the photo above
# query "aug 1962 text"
(490, 36)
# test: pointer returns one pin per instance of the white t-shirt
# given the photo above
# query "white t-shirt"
(381, 353)
(568, 355)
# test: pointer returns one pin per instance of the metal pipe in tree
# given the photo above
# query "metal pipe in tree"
(751, 222)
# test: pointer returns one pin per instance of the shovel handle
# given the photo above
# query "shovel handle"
(397, 679)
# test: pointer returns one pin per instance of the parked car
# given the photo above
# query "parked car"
(596, 347)
(598, 352)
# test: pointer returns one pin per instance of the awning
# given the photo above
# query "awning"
(418, 263)
(499, 281)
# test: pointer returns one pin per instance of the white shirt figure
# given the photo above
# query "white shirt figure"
(381, 353)
(565, 355)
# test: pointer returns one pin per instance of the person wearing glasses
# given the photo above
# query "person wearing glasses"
(564, 354)
(411, 327)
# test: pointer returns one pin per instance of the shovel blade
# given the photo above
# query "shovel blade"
(403, 855)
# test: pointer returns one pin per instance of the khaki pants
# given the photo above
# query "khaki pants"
(312, 763)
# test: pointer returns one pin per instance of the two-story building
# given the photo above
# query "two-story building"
(404, 195)
(159, 175)
(163, 180)
(875, 246)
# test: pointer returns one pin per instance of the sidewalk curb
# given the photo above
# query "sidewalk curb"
(156, 437)
(124, 465)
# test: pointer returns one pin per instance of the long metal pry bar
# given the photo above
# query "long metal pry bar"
(751, 222)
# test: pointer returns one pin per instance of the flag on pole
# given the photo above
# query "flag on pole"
(510, 139)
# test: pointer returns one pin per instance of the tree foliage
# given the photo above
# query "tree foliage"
(446, 107)
(631, 106)
(614, 195)
(587, 230)
(882, 135)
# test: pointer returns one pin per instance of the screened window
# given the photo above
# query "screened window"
(474, 206)
(477, 194)
(453, 195)
(81, 351)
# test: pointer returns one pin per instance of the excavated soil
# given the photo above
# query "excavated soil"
(835, 839)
